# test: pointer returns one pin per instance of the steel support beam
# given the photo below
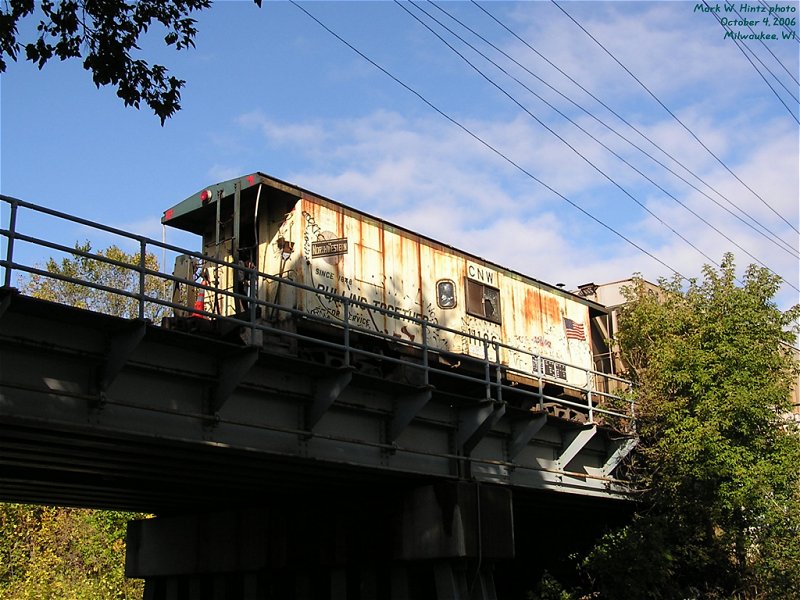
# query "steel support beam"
(450, 583)
(231, 370)
(622, 448)
(618, 450)
(483, 587)
(285, 422)
(522, 432)
(5, 300)
(326, 391)
(475, 422)
(454, 532)
(574, 442)
(121, 345)
(406, 408)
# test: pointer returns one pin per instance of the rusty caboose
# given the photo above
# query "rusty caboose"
(310, 253)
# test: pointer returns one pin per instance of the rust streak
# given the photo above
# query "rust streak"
(531, 306)
(420, 295)
(552, 310)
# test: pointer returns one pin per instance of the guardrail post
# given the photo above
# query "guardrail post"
(589, 395)
(253, 293)
(539, 371)
(487, 369)
(425, 351)
(12, 225)
(142, 263)
(346, 325)
(498, 372)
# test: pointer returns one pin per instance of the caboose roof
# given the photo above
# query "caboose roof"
(196, 214)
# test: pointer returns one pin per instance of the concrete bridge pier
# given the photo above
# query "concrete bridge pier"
(436, 542)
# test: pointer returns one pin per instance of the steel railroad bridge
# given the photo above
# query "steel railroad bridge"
(298, 467)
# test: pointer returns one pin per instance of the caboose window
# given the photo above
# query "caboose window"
(483, 301)
(446, 293)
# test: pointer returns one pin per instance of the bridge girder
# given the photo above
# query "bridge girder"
(100, 411)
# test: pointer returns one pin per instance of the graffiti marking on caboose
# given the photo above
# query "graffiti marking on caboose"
(397, 311)
(322, 244)
(316, 230)
(478, 336)
(328, 289)
(528, 343)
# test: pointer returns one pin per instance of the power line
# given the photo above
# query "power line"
(418, 7)
(777, 60)
(553, 132)
(588, 133)
(486, 144)
(785, 27)
(741, 48)
(570, 146)
(674, 116)
(775, 239)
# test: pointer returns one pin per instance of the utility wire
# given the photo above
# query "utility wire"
(582, 129)
(741, 48)
(486, 144)
(764, 230)
(745, 49)
(478, 35)
(553, 132)
(777, 60)
(785, 27)
(674, 116)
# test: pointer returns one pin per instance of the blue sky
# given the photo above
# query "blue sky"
(270, 90)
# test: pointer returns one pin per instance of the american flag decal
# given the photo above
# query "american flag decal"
(574, 330)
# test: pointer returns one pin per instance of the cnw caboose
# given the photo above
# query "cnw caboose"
(296, 262)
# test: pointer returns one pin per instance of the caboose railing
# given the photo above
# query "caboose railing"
(146, 293)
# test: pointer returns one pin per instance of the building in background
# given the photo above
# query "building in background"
(612, 296)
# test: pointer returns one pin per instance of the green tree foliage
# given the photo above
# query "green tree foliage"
(718, 464)
(65, 553)
(97, 272)
(105, 34)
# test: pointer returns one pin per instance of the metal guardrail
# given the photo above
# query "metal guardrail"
(602, 399)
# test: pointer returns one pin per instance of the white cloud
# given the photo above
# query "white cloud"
(425, 174)
(219, 172)
(297, 134)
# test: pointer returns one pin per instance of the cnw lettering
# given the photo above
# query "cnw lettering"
(479, 274)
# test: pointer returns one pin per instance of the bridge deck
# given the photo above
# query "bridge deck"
(99, 410)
